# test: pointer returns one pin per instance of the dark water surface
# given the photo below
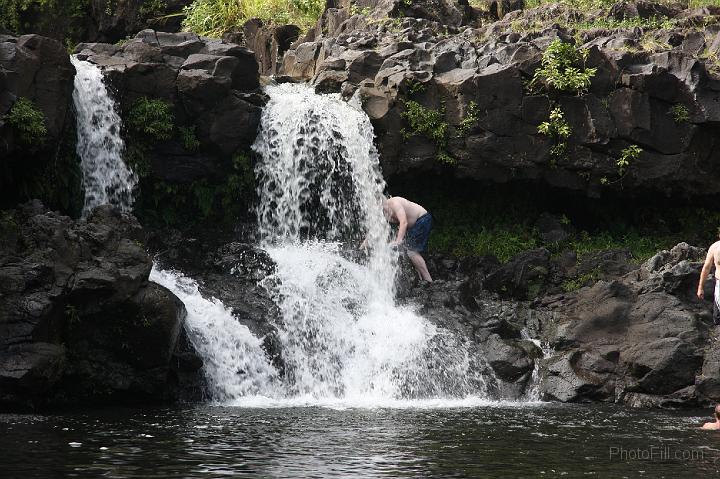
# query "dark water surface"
(493, 441)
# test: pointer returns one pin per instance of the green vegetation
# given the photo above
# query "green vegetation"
(414, 87)
(475, 220)
(627, 156)
(189, 138)
(680, 113)
(151, 118)
(483, 227)
(215, 17)
(426, 122)
(59, 18)
(202, 200)
(471, 118)
(587, 5)
(563, 68)
(54, 177)
(357, 10)
(72, 315)
(610, 23)
(431, 124)
(559, 131)
(27, 121)
(585, 279)
(160, 202)
(152, 8)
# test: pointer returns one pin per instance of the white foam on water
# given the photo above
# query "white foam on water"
(260, 402)
(106, 178)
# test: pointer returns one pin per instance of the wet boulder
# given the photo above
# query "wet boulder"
(79, 321)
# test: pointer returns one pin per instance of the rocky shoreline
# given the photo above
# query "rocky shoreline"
(80, 324)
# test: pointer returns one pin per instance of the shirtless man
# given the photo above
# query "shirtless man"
(712, 259)
(715, 425)
(414, 225)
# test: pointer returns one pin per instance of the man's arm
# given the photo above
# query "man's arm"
(709, 261)
(402, 222)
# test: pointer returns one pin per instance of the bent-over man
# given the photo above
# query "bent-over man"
(414, 225)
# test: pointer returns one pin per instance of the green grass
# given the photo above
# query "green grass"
(506, 239)
(215, 17)
(500, 222)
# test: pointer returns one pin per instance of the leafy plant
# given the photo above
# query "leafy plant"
(414, 87)
(471, 118)
(152, 118)
(680, 113)
(189, 138)
(558, 129)
(431, 124)
(28, 121)
(426, 122)
(563, 68)
(627, 156)
(152, 8)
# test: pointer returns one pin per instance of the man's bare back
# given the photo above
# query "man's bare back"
(412, 230)
(411, 211)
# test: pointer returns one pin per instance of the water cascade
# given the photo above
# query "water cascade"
(106, 178)
(342, 335)
(343, 338)
(234, 361)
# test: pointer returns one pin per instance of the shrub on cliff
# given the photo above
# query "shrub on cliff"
(214, 17)
(563, 68)
(152, 118)
(29, 122)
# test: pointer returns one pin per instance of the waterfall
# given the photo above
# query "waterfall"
(342, 334)
(342, 337)
(533, 392)
(106, 179)
(234, 361)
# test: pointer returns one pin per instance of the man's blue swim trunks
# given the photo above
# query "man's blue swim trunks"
(416, 238)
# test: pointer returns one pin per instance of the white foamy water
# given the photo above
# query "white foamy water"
(532, 392)
(106, 178)
(235, 364)
(343, 338)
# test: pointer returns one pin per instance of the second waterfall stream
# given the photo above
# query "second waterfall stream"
(343, 339)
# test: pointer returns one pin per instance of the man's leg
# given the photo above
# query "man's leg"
(419, 263)
(716, 303)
